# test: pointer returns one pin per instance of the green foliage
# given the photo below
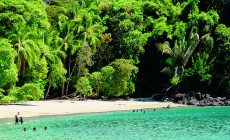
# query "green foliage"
(124, 69)
(54, 12)
(200, 68)
(222, 51)
(106, 38)
(210, 18)
(160, 27)
(56, 75)
(29, 91)
(8, 99)
(15, 11)
(180, 54)
(175, 80)
(124, 21)
(95, 79)
(107, 79)
(25, 45)
(83, 86)
(180, 30)
(1, 93)
(8, 70)
(83, 60)
(117, 78)
(88, 31)
(40, 70)
(223, 34)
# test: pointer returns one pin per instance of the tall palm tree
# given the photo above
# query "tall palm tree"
(51, 50)
(89, 32)
(69, 44)
(77, 31)
(50, 47)
(180, 54)
(24, 42)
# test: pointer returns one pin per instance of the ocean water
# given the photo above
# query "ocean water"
(192, 123)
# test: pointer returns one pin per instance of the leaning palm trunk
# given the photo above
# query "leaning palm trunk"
(67, 86)
(63, 89)
(180, 54)
(196, 40)
(190, 50)
(70, 75)
(47, 93)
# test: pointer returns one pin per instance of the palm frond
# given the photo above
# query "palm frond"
(167, 49)
(190, 50)
(168, 71)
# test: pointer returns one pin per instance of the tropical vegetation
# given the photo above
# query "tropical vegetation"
(115, 48)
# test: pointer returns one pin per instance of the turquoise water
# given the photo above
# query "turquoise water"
(205, 123)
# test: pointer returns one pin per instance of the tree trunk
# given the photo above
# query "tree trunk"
(67, 88)
(69, 75)
(47, 93)
(63, 89)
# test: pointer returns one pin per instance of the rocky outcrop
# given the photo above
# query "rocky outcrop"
(193, 98)
(193, 101)
(199, 99)
(227, 102)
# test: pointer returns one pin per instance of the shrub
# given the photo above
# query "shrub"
(83, 86)
(29, 91)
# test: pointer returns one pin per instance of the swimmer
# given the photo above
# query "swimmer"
(16, 119)
(21, 120)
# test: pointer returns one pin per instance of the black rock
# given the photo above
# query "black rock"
(198, 96)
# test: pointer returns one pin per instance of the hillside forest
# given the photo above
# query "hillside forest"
(113, 48)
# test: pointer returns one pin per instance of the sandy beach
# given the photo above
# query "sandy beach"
(61, 107)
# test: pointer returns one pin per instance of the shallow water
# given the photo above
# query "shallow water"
(205, 123)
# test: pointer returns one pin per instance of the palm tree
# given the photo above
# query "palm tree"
(180, 54)
(28, 51)
(50, 47)
(69, 44)
(51, 50)
(90, 33)
(77, 31)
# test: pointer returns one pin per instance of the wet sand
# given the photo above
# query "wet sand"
(65, 107)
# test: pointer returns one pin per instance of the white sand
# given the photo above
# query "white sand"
(59, 107)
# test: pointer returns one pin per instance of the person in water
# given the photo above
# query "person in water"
(16, 119)
(45, 128)
(25, 130)
(34, 129)
(21, 120)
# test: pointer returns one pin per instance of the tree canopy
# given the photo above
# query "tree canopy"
(114, 48)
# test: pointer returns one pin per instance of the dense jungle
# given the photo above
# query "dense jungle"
(113, 48)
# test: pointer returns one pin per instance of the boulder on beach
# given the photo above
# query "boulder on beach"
(193, 101)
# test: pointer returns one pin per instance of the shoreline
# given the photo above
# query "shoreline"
(57, 108)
